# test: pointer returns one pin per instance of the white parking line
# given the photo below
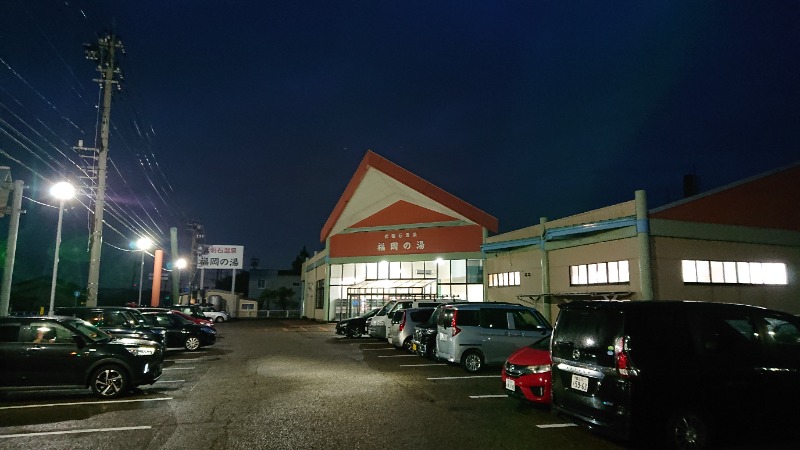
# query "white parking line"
(488, 396)
(464, 378)
(369, 343)
(99, 402)
(557, 425)
(183, 361)
(177, 368)
(379, 349)
(90, 430)
(171, 381)
(421, 365)
(398, 356)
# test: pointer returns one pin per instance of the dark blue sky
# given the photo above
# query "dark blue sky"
(251, 116)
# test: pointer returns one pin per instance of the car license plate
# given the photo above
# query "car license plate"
(580, 383)
(510, 384)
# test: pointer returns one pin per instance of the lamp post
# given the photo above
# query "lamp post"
(62, 191)
(142, 244)
(179, 264)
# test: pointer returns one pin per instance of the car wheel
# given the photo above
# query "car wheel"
(219, 319)
(687, 430)
(407, 345)
(109, 381)
(354, 333)
(472, 361)
(192, 343)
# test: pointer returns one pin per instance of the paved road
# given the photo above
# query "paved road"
(292, 385)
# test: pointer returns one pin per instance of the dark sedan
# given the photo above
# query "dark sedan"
(355, 326)
(181, 332)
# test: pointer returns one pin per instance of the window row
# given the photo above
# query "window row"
(443, 271)
(730, 272)
(504, 279)
(599, 273)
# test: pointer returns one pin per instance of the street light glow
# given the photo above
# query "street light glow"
(180, 263)
(62, 191)
(144, 243)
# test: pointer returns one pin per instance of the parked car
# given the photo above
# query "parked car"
(214, 314)
(379, 325)
(199, 312)
(196, 318)
(401, 331)
(424, 341)
(685, 372)
(118, 321)
(67, 351)
(478, 334)
(180, 331)
(526, 373)
(355, 326)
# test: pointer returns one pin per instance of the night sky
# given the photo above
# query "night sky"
(251, 116)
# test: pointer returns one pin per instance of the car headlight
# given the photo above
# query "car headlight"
(141, 351)
(542, 368)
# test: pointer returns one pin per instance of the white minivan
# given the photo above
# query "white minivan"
(382, 320)
(478, 334)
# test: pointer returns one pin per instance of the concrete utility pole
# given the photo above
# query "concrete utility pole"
(7, 187)
(103, 52)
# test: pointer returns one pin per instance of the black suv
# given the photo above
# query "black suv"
(690, 373)
(67, 351)
(118, 321)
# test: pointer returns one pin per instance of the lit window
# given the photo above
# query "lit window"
(613, 272)
(730, 272)
(504, 279)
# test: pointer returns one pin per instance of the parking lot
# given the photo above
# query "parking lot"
(292, 384)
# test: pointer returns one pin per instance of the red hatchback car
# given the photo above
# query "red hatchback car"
(526, 373)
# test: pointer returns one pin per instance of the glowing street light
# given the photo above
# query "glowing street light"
(62, 191)
(142, 244)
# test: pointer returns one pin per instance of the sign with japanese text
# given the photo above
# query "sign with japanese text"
(408, 241)
(222, 257)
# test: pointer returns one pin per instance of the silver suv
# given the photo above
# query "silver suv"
(478, 334)
(401, 331)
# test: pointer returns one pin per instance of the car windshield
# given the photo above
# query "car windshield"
(180, 318)
(89, 331)
(368, 314)
(141, 321)
(541, 344)
(385, 308)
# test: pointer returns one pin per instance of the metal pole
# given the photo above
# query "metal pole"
(55, 258)
(643, 240)
(11, 250)
(141, 278)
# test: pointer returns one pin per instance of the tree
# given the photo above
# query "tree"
(297, 264)
(282, 295)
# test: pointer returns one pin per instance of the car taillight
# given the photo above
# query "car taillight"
(624, 364)
(403, 323)
(453, 322)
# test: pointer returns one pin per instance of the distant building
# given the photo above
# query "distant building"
(274, 279)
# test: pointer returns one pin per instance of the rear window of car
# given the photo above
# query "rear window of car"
(421, 316)
(592, 332)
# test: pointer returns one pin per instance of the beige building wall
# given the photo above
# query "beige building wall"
(607, 251)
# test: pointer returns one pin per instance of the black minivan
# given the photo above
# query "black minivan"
(67, 351)
(683, 372)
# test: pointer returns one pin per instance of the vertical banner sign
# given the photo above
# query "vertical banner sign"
(222, 257)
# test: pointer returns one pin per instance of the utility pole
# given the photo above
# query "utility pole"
(102, 52)
(7, 186)
(199, 248)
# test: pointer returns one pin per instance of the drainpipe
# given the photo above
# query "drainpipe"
(643, 240)
(546, 300)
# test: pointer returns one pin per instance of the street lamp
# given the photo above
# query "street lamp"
(62, 191)
(142, 244)
(179, 264)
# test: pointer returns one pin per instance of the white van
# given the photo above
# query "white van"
(478, 334)
(382, 320)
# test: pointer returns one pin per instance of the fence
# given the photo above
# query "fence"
(279, 314)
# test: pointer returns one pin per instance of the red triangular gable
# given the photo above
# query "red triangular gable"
(402, 212)
(424, 187)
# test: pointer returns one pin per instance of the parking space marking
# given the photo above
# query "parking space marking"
(488, 396)
(183, 361)
(177, 368)
(556, 425)
(398, 356)
(463, 378)
(171, 381)
(378, 349)
(90, 430)
(98, 402)
(422, 365)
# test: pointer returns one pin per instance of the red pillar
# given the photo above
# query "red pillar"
(157, 261)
